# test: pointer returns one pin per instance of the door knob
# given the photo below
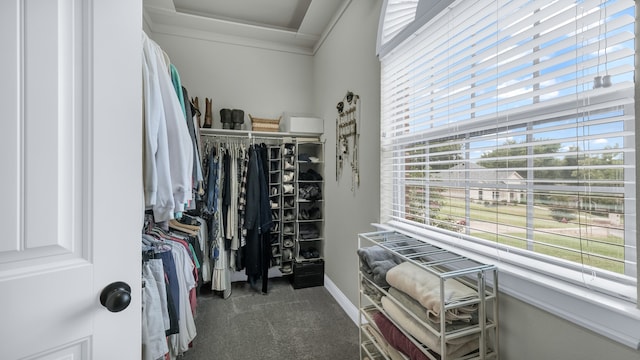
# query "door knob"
(116, 296)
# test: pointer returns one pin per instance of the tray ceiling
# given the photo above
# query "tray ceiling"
(287, 25)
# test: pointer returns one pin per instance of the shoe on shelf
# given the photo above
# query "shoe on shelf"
(289, 202)
(309, 253)
(288, 176)
(288, 215)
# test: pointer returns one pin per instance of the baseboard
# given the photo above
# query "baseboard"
(343, 301)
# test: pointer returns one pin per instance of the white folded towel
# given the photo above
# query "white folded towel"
(424, 287)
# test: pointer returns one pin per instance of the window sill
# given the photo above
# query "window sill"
(611, 317)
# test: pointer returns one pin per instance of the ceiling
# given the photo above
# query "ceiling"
(297, 26)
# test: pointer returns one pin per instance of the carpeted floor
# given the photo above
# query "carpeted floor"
(303, 324)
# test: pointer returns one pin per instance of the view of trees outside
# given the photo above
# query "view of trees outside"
(502, 129)
(577, 224)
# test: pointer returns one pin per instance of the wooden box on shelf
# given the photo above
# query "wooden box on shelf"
(262, 124)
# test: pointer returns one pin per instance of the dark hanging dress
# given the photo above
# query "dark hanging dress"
(257, 219)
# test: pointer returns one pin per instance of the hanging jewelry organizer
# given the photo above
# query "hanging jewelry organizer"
(347, 137)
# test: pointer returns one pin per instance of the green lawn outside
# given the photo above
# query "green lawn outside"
(559, 245)
(588, 247)
(515, 215)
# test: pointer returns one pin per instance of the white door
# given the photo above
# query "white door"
(70, 177)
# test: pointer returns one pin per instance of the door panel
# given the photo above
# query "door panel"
(78, 350)
(71, 219)
(10, 134)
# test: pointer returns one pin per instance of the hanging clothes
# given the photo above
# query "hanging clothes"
(168, 155)
(154, 343)
(221, 279)
(197, 174)
(258, 219)
(237, 209)
(172, 270)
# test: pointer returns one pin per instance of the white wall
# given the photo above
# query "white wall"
(263, 83)
(347, 61)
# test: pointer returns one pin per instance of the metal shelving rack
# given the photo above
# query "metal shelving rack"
(287, 221)
(446, 265)
(275, 201)
(313, 148)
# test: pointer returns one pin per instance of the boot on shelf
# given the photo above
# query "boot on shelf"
(225, 119)
(196, 104)
(237, 116)
(208, 120)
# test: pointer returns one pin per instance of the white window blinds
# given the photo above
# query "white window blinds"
(512, 123)
(399, 14)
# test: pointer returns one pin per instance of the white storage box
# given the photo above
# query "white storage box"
(306, 124)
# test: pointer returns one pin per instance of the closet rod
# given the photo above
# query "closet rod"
(255, 134)
(245, 136)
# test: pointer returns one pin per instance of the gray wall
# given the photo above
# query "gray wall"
(262, 82)
(265, 83)
(347, 61)
(528, 333)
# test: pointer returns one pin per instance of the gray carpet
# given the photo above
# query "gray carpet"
(306, 324)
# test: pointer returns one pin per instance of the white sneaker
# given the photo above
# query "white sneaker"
(288, 176)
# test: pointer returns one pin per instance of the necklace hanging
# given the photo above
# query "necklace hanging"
(347, 137)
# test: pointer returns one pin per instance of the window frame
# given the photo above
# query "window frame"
(521, 277)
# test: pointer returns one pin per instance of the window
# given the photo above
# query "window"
(534, 102)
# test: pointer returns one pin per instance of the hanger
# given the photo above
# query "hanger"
(188, 229)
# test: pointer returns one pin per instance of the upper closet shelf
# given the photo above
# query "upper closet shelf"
(259, 134)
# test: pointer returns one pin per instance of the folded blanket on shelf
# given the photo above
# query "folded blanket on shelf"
(454, 347)
(424, 287)
(308, 231)
(397, 339)
(370, 290)
(388, 350)
(375, 262)
(421, 313)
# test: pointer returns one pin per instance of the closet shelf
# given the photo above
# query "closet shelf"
(251, 134)
(310, 240)
(431, 258)
(451, 334)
